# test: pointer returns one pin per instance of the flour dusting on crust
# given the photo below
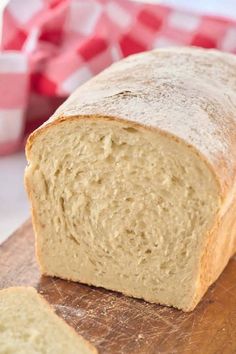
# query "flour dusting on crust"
(188, 92)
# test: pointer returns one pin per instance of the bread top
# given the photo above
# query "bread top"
(187, 92)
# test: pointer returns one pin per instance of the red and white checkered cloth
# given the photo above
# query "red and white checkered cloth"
(49, 47)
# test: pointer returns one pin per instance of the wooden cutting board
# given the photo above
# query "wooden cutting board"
(116, 324)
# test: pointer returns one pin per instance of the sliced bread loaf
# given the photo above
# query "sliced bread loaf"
(132, 180)
(29, 326)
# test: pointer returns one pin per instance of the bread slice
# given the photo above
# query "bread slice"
(132, 181)
(29, 326)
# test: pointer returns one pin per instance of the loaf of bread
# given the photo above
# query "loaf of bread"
(133, 180)
(29, 326)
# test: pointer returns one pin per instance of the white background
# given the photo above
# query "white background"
(14, 208)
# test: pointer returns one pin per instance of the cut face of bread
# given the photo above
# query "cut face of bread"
(121, 206)
(29, 326)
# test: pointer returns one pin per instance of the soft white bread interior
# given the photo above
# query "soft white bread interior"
(122, 208)
(122, 202)
(29, 326)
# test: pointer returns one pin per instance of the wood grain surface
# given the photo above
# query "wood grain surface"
(116, 324)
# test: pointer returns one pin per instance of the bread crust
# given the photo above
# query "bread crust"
(187, 94)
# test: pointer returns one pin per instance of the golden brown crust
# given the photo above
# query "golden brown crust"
(35, 223)
(219, 247)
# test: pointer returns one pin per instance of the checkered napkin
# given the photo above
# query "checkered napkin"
(49, 47)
